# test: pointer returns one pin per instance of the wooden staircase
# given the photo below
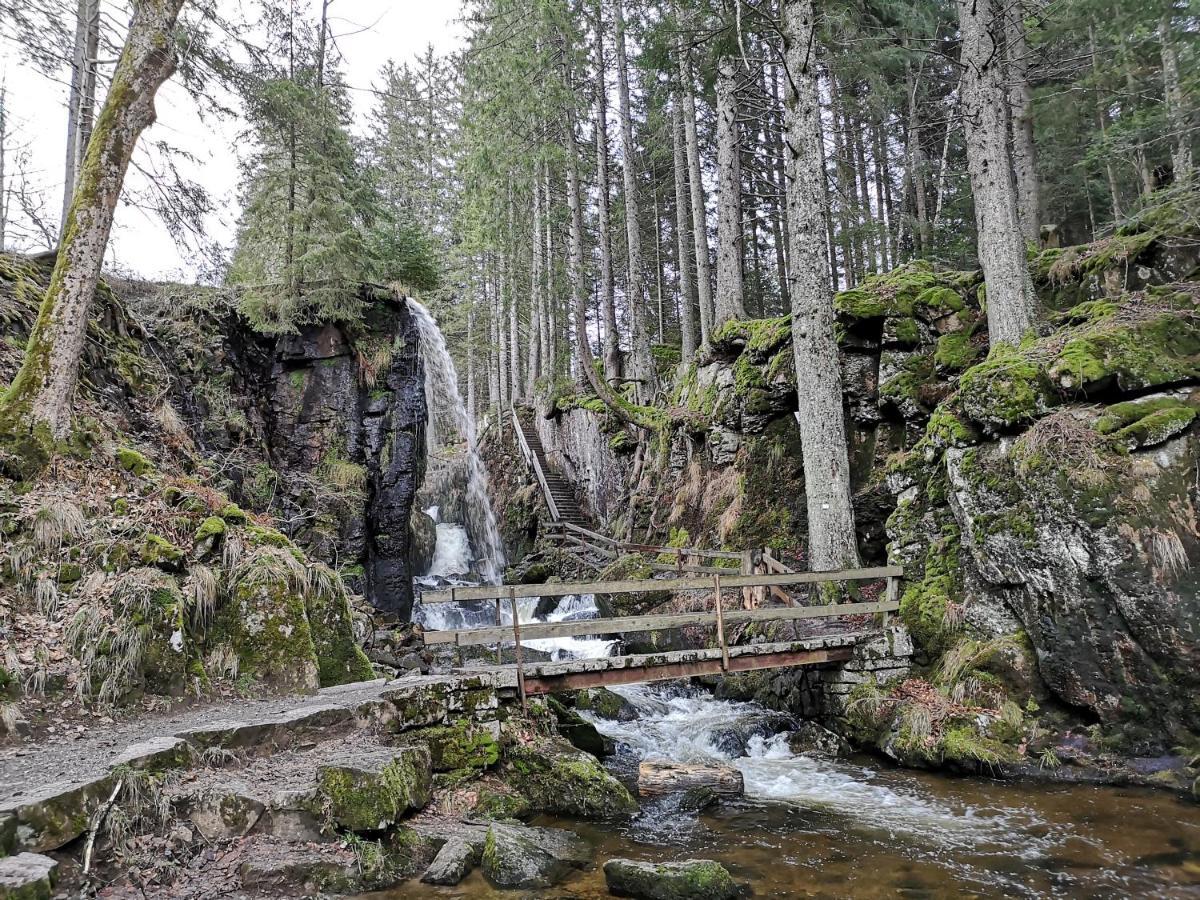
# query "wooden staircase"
(560, 498)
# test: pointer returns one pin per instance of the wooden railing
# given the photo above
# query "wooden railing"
(717, 616)
(532, 460)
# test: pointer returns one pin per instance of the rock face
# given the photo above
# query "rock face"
(340, 417)
(27, 876)
(519, 857)
(689, 879)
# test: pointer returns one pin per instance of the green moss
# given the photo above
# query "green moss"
(361, 799)
(133, 462)
(924, 603)
(460, 746)
(1159, 351)
(339, 657)
(233, 514)
(604, 703)
(158, 551)
(941, 300)
(963, 744)
(500, 804)
(759, 338)
(120, 507)
(69, 573)
(1088, 312)
(262, 536)
(1154, 427)
(1005, 390)
(956, 352)
(298, 379)
(555, 777)
(911, 383)
(212, 527)
(946, 429)
(906, 331)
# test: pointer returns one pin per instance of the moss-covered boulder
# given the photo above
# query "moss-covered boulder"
(340, 659)
(265, 623)
(630, 567)
(558, 778)
(27, 876)
(460, 746)
(518, 857)
(606, 704)
(377, 789)
(579, 731)
(688, 879)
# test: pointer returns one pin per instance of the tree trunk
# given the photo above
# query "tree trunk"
(704, 298)
(885, 250)
(832, 542)
(612, 339)
(729, 302)
(916, 163)
(641, 362)
(779, 228)
(471, 355)
(871, 259)
(656, 779)
(550, 333)
(1181, 153)
(1010, 306)
(536, 310)
(43, 388)
(1020, 101)
(687, 316)
(1102, 123)
(81, 100)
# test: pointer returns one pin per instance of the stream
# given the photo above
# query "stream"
(809, 825)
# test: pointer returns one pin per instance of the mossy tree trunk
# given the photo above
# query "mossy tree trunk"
(39, 398)
(1010, 300)
(832, 542)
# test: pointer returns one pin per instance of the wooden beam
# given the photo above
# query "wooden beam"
(632, 624)
(638, 585)
(570, 681)
(650, 548)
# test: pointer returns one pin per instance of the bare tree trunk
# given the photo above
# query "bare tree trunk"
(842, 172)
(687, 316)
(729, 301)
(550, 334)
(943, 165)
(699, 212)
(536, 310)
(612, 338)
(1145, 173)
(1020, 101)
(43, 388)
(779, 226)
(640, 359)
(81, 101)
(471, 354)
(1102, 123)
(1181, 153)
(864, 197)
(3, 183)
(1010, 306)
(832, 542)
(916, 162)
(500, 316)
(885, 250)
(658, 265)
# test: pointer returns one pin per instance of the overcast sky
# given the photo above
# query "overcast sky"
(399, 29)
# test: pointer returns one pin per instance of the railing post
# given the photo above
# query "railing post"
(893, 595)
(720, 614)
(500, 623)
(512, 599)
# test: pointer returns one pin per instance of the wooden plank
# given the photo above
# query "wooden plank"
(637, 585)
(632, 624)
(651, 548)
(570, 681)
(775, 565)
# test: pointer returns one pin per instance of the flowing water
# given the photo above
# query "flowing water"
(810, 825)
(448, 427)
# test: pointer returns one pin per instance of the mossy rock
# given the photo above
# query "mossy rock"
(158, 551)
(211, 528)
(558, 778)
(1006, 390)
(1146, 423)
(606, 704)
(265, 623)
(339, 657)
(133, 462)
(630, 567)
(689, 879)
(1161, 351)
(579, 731)
(233, 514)
(376, 790)
(462, 745)
(501, 803)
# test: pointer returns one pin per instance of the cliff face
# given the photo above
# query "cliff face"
(1043, 499)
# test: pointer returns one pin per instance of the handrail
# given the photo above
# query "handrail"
(650, 548)
(532, 461)
(639, 585)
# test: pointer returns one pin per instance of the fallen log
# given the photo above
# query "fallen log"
(658, 778)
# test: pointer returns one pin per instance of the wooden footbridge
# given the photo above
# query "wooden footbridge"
(753, 577)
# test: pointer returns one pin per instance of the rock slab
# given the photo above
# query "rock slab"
(27, 876)
(516, 856)
(689, 879)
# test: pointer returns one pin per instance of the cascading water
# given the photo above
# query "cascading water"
(449, 425)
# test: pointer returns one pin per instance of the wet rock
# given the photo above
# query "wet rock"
(157, 754)
(518, 857)
(454, 861)
(810, 737)
(556, 777)
(424, 540)
(689, 879)
(27, 876)
(697, 799)
(734, 740)
(580, 732)
(606, 704)
(377, 789)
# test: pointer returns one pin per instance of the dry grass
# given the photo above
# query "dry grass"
(1067, 437)
(10, 717)
(344, 475)
(202, 590)
(55, 522)
(171, 423)
(1168, 556)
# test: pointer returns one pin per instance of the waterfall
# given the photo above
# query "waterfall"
(448, 425)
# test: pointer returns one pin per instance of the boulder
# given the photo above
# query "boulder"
(556, 777)
(515, 856)
(606, 704)
(810, 737)
(454, 861)
(27, 876)
(225, 812)
(579, 731)
(689, 879)
(376, 789)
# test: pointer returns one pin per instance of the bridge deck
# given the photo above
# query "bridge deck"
(605, 671)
